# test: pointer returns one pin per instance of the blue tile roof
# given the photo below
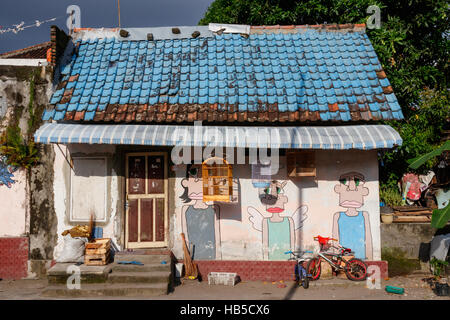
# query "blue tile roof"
(277, 74)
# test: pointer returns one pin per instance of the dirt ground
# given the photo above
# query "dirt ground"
(415, 289)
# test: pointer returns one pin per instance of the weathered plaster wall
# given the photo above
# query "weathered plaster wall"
(62, 190)
(240, 224)
(27, 195)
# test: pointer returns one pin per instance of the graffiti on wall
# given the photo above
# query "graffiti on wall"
(277, 226)
(352, 227)
(6, 173)
(199, 219)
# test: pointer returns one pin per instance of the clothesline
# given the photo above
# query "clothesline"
(21, 26)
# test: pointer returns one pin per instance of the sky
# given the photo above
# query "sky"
(94, 13)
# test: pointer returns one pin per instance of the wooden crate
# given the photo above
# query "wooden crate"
(97, 253)
(96, 259)
(99, 246)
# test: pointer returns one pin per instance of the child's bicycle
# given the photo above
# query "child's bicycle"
(301, 276)
(355, 269)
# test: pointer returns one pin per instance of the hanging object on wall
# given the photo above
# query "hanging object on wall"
(261, 175)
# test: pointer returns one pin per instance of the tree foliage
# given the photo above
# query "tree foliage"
(412, 45)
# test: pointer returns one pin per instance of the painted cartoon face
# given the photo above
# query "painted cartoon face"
(351, 190)
(193, 183)
(273, 197)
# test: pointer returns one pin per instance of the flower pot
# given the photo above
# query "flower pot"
(387, 218)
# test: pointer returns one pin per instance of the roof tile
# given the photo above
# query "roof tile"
(278, 73)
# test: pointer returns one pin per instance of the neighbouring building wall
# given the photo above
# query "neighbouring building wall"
(26, 212)
(310, 207)
(13, 200)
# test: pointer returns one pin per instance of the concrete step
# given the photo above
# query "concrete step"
(104, 289)
(144, 258)
(60, 272)
(136, 268)
(140, 277)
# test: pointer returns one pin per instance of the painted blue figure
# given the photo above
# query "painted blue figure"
(352, 227)
(6, 173)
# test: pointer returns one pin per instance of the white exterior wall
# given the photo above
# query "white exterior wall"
(14, 206)
(240, 239)
(62, 190)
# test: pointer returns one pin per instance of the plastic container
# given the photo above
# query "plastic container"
(396, 290)
(225, 278)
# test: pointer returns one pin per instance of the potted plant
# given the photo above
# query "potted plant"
(441, 287)
(390, 197)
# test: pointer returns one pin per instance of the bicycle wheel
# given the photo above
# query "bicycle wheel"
(313, 268)
(305, 280)
(356, 270)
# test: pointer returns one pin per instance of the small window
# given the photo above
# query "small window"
(217, 177)
(301, 163)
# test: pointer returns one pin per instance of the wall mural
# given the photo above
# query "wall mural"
(277, 227)
(199, 219)
(352, 227)
(6, 173)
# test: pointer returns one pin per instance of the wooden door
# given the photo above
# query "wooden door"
(146, 196)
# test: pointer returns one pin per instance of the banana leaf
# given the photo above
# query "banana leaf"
(420, 160)
(440, 217)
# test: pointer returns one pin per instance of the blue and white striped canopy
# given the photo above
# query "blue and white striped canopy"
(364, 137)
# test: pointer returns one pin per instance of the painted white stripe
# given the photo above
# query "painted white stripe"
(80, 138)
(366, 128)
(113, 134)
(350, 140)
(40, 131)
(319, 136)
(145, 134)
(134, 134)
(103, 134)
(339, 136)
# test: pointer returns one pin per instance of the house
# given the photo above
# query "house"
(250, 140)
(26, 216)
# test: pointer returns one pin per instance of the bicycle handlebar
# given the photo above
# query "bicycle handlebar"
(307, 251)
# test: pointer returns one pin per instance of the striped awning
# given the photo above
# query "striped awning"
(364, 137)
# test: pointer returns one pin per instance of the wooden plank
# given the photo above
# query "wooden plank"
(412, 219)
(133, 216)
(96, 259)
(146, 219)
(410, 208)
(412, 213)
(159, 220)
(99, 243)
(136, 175)
(97, 251)
(155, 174)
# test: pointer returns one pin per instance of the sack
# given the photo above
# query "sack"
(73, 249)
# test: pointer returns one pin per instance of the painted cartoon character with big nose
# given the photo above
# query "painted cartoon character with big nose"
(352, 227)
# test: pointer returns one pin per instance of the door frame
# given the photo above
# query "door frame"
(148, 244)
